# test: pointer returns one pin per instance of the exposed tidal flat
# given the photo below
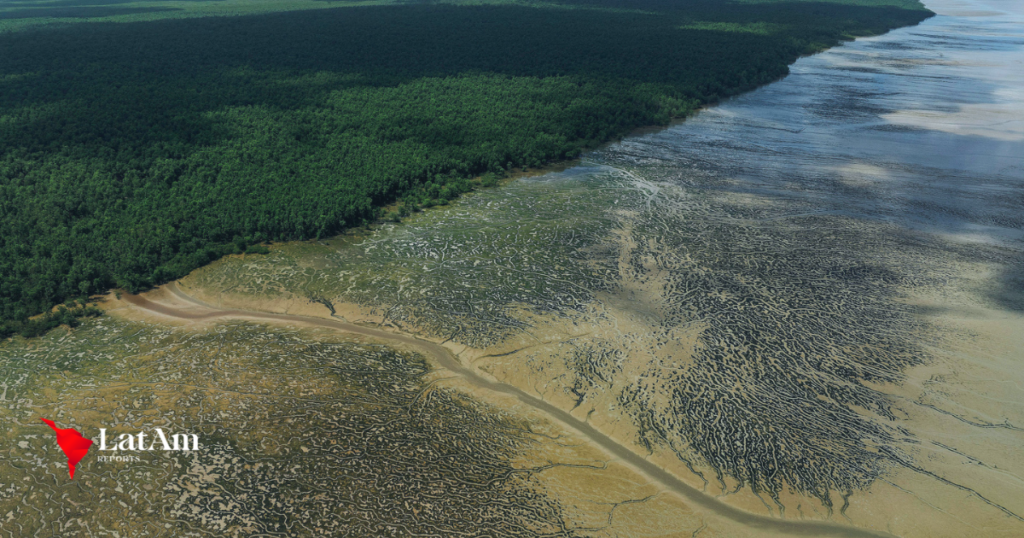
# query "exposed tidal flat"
(301, 432)
(805, 302)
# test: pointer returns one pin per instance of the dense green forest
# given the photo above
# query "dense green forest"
(134, 152)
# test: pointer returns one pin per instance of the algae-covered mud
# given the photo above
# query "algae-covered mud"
(806, 302)
(298, 431)
(302, 432)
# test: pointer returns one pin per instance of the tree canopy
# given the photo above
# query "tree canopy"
(132, 153)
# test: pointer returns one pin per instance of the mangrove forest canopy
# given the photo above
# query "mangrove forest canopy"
(140, 140)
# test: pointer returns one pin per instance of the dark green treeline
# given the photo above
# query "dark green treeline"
(132, 153)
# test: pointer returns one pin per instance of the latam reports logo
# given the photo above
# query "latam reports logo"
(76, 446)
(72, 443)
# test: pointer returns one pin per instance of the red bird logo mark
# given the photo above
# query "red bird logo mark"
(72, 443)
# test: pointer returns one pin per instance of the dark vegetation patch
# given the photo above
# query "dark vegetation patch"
(131, 154)
(78, 12)
(794, 342)
(69, 314)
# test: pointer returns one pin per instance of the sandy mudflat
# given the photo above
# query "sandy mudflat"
(804, 303)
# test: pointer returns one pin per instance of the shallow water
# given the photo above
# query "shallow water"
(922, 127)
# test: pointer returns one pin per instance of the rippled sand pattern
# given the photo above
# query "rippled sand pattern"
(807, 301)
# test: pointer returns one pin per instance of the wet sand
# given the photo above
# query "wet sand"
(193, 309)
(803, 303)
